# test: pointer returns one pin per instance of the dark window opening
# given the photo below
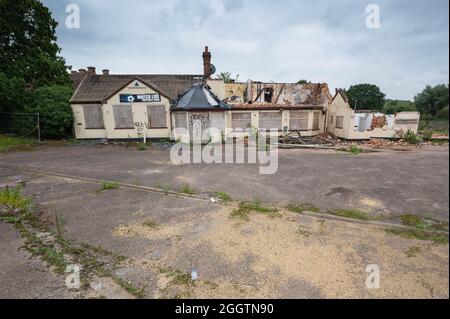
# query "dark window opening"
(268, 94)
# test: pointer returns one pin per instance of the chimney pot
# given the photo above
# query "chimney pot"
(82, 70)
(105, 72)
(91, 69)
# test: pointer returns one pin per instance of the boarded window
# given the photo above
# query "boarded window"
(156, 116)
(298, 120)
(218, 120)
(316, 119)
(123, 116)
(180, 120)
(93, 116)
(339, 122)
(242, 120)
(270, 120)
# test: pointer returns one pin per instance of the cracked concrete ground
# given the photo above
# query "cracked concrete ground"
(291, 256)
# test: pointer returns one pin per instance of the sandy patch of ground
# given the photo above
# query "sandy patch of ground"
(327, 258)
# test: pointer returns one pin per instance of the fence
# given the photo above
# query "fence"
(20, 124)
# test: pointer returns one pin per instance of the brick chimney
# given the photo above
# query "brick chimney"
(105, 72)
(82, 70)
(91, 69)
(206, 63)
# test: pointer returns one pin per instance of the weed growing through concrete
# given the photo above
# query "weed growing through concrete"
(165, 188)
(128, 286)
(245, 208)
(420, 234)
(224, 197)
(107, 185)
(349, 213)
(424, 223)
(300, 208)
(186, 189)
(142, 147)
(12, 201)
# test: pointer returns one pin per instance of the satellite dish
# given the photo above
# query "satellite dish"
(213, 69)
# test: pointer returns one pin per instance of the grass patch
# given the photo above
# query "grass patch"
(37, 247)
(12, 202)
(107, 185)
(8, 143)
(244, 209)
(425, 223)
(349, 213)
(224, 197)
(150, 224)
(300, 208)
(420, 234)
(413, 251)
(355, 150)
(187, 189)
(165, 188)
(142, 147)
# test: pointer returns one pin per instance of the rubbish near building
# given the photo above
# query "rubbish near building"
(108, 106)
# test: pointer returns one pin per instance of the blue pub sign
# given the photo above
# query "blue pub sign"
(136, 98)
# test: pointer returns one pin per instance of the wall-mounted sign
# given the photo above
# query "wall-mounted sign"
(136, 98)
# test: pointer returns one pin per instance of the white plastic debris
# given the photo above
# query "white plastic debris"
(213, 200)
(194, 274)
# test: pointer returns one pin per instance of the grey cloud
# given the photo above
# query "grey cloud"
(324, 41)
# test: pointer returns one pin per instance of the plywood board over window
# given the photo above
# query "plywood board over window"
(180, 120)
(93, 117)
(156, 116)
(270, 120)
(339, 122)
(123, 116)
(316, 119)
(298, 120)
(241, 120)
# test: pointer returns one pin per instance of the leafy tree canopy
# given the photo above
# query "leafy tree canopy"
(366, 96)
(394, 106)
(303, 81)
(28, 48)
(432, 99)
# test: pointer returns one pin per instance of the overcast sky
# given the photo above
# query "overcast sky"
(281, 41)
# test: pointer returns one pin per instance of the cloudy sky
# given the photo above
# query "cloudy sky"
(281, 41)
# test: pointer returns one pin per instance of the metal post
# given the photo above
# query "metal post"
(39, 128)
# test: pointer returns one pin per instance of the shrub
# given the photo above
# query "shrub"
(52, 104)
(426, 135)
(411, 137)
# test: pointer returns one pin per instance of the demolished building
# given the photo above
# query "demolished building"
(110, 106)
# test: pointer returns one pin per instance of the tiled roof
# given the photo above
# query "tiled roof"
(199, 97)
(98, 88)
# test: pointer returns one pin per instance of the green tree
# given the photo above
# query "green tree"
(432, 99)
(394, 106)
(366, 96)
(28, 48)
(303, 81)
(52, 104)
